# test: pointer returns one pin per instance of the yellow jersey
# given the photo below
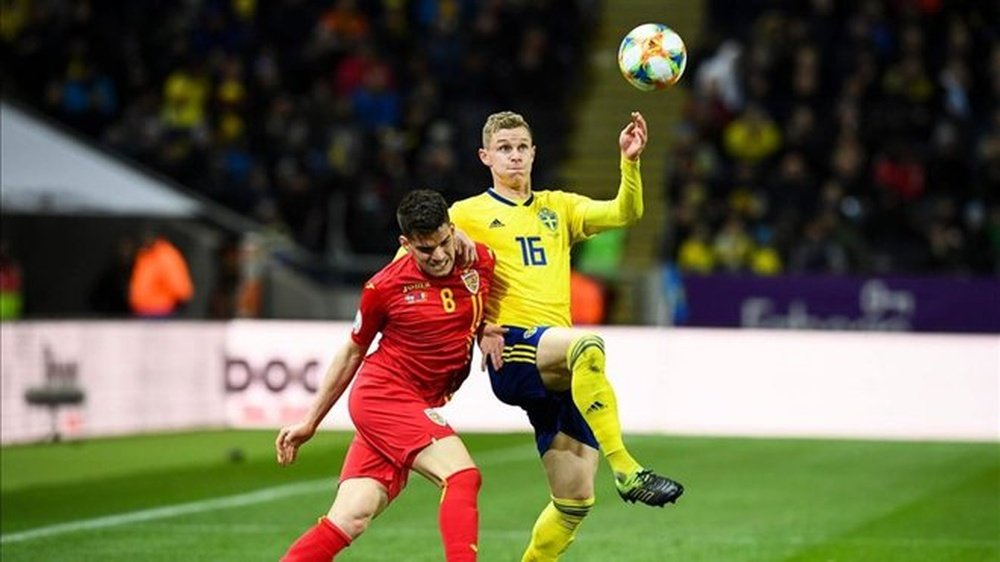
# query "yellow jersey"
(532, 239)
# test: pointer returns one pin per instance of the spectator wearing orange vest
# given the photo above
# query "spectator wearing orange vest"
(160, 282)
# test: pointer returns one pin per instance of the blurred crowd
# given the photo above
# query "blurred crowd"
(834, 136)
(854, 136)
(301, 113)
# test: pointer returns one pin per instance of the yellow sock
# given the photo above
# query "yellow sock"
(555, 529)
(594, 397)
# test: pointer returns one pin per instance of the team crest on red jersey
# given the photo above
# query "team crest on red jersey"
(435, 417)
(471, 279)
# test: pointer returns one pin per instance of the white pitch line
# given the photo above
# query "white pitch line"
(239, 500)
(499, 456)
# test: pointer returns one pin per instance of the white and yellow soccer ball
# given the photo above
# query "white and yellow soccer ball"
(652, 57)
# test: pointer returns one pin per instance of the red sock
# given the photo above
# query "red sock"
(319, 544)
(459, 515)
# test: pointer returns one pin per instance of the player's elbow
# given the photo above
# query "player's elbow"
(632, 217)
(630, 211)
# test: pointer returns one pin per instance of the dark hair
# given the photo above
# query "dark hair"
(422, 211)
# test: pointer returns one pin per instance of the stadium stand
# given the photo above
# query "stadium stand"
(295, 111)
(858, 137)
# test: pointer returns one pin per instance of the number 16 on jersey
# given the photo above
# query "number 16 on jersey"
(532, 251)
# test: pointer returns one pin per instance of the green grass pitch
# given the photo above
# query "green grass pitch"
(181, 497)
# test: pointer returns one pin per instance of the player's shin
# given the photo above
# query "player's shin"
(319, 544)
(458, 516)
(555, 529)
(594, 397)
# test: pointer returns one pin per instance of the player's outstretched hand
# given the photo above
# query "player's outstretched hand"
(491, 345)
(465, 249)
(290, 438)
(632, 139)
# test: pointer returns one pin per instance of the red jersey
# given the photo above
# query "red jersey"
(428, 326)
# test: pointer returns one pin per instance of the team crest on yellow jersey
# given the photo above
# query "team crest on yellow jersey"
(549, 218)
(471, 279)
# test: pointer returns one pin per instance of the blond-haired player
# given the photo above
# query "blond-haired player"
(555, 372)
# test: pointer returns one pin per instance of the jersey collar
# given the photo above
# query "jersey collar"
(492, 193)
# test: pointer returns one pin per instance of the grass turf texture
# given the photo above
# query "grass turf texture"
(746, 500)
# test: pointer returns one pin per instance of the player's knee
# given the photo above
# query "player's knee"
(353, 524)
(574, 508)
(587, 351)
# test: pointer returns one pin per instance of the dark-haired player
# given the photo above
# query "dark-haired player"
(429, 311)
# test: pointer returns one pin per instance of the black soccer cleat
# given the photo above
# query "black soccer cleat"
(647, 487)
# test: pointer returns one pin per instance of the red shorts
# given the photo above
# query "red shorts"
(393, 425)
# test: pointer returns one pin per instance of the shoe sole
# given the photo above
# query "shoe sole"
(672, 500)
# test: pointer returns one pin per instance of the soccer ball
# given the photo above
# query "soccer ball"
(652, 57)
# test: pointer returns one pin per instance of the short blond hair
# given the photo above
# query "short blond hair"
(502, 120)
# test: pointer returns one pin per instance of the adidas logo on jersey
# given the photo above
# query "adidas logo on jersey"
(496, 224)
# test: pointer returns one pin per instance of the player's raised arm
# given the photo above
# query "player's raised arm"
(342, 369)
(627, 207)
(632, 139)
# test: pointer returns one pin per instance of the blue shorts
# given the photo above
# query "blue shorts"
(519, 383)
